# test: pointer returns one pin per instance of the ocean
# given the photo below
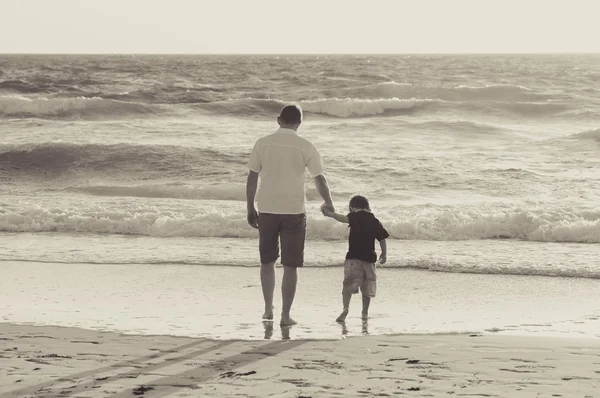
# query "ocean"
(123, 190)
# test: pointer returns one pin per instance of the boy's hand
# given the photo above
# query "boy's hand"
(382, 258)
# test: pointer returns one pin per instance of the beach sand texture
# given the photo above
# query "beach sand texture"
(69, 362)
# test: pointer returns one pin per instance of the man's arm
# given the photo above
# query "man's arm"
(251, 187)
(323, 189)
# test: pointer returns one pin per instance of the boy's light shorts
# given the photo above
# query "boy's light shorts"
(360, 274)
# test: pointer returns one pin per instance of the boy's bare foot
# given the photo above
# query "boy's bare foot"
(342, 316)
(365, 316)
(287, 321)
(268, 315)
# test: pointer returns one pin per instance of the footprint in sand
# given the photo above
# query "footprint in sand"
(517, 370)
(141, 390)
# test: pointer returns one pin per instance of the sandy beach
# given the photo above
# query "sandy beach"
(69, 362)
(123, 219)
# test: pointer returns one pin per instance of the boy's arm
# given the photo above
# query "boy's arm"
(383, 245)
(327, 212)
(340, 217)
(383, 256)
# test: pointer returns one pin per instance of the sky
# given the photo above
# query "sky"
(299, 27)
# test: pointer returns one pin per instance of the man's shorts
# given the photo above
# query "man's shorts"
(360, 274)
(290, 229)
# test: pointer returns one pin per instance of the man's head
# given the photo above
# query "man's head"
(290, 117)
(359, 203)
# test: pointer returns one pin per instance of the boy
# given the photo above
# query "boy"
(359, 267)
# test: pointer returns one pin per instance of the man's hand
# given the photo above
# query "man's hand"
(253, 218)
(251, 185)
(382, 258)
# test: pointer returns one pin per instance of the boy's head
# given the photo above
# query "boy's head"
(290, 117)
(358, 203)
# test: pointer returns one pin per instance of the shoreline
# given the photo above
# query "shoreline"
(465, 257)
(63, 361)
(286, 335)
(224, 303)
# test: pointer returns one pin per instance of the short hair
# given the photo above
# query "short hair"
(291, 114)
(360, 202)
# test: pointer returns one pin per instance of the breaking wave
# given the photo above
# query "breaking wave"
(563, 225)
(72, 108)
(120, 161)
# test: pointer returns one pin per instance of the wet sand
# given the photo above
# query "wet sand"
(224, 302)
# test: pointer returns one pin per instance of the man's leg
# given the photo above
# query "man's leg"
(267, 280)
(288, 292)
(293, 234)
(268, 230)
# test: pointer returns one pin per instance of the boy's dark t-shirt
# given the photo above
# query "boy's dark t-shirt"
(364, 229)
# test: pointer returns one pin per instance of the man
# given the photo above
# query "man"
(281, 159)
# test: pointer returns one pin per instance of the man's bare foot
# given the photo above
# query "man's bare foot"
(365, 316)
(268, 315)
(287, 321)
(268, 329)
(342, 317)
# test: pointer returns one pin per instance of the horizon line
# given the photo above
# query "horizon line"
(306, 54)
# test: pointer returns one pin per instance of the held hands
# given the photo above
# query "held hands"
(382, 258)
(327, 209)
(327, 212)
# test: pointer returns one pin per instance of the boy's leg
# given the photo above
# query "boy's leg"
(268, 230)
(366, 301)
(346, 297)
(368, 288)
(293, 235)
(353, 276)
